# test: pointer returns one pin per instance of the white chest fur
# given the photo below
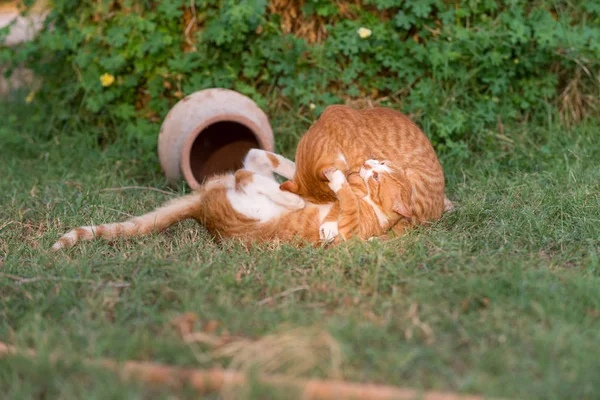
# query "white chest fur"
(323, 210)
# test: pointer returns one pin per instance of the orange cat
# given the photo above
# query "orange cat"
(247, 205)
(343, 138)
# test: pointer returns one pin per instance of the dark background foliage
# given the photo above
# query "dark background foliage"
(462, 69)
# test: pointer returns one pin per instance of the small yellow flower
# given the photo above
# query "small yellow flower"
(516, 60)
(364, 32)
(312, 106)
(107, 79)
(30, 97)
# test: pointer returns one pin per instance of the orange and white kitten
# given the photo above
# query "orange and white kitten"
(247, 205)
(343, 138)
(378, 199)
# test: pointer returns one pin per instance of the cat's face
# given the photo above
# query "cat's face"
(388, 187)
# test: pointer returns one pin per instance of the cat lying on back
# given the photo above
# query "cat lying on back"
(343, 138)
(249, 205)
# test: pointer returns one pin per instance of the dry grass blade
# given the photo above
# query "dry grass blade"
(184, 324)
(311, 28)
(282, 294)
(204, 338)
(22, 281)
(293, 353)
(576, 102)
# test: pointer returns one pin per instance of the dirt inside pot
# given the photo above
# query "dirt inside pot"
(219, 148)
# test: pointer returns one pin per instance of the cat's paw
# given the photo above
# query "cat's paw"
(336, 179)
(328, 173)
(258, 162)
(292, 201)
(328, 231)
(448, 206)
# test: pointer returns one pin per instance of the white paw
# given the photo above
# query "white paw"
(328, 231)
(336, 180)
(448, 206)
(256, 161)
(329, 173)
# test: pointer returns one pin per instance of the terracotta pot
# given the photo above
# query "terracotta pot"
(210, 132)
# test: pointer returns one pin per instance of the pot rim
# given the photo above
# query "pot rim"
(185, 164)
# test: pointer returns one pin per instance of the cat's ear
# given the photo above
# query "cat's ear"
(402, 208)
(289, 186)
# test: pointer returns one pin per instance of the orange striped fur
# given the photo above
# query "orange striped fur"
(343, 138)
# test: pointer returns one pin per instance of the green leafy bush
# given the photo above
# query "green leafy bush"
(460, 68)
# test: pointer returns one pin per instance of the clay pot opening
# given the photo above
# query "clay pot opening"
(216, 147)
(210, 132)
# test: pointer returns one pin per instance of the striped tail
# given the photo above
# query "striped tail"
(174, 211)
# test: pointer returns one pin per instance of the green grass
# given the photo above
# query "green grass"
(500, 298)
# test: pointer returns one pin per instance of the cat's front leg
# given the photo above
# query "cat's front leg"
(270, 188)
(336, 179)
(265, 163)
(349, 214)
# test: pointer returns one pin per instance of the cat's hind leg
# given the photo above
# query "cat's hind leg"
(265, 163)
